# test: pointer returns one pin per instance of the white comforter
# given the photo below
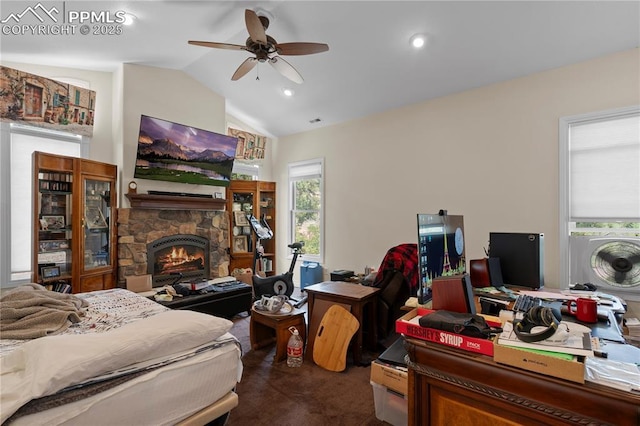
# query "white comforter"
(46, 365)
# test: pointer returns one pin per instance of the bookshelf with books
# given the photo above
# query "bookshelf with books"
(74, 237)
(259, 199)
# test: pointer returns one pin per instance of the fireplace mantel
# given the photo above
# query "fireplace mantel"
(173, 202)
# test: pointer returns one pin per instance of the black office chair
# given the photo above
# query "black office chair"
(397, 278)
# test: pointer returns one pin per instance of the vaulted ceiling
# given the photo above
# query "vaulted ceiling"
(370, 66)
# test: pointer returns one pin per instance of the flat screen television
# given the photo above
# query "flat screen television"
(441, 249)
(175, 152)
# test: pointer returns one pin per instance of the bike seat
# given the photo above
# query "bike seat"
(297, 245)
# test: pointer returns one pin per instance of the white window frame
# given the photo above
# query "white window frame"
(291, 224)
(7, 278)
(565, 124)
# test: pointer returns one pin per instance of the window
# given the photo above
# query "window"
(245, 171)
(18, 144)
(600, 200)
(306, 218)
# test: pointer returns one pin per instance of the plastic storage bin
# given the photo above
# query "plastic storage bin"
(391, 407)
(310, 273)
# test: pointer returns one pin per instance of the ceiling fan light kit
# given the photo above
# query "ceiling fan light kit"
(265, 48)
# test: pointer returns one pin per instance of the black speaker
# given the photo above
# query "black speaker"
(521, 257)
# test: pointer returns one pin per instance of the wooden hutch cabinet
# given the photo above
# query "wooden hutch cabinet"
(257, 198)
(448, 386)
(74, 223)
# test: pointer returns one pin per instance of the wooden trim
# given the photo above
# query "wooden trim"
(172, 202)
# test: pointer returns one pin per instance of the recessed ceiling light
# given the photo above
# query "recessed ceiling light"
(418, 40)
(288, 92)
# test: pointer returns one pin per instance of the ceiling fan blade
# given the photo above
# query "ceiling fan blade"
(301, 48)
(285, 68)
(217, 45)
(244, 68)
(254, 26)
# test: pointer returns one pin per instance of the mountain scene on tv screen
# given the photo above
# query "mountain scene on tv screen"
(167, 160)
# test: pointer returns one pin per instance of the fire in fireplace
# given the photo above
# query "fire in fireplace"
(179, 259)
(178, 254)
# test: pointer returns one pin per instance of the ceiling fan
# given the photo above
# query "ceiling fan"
(266, 48)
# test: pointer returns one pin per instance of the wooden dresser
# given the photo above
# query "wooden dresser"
(452, 387)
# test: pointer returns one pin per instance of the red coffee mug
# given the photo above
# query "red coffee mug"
(584, 309)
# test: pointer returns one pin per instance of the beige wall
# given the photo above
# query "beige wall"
(168, 95)
(490, 154)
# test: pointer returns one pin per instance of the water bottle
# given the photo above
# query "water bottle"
(294, 348)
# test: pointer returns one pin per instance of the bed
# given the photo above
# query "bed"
(126, 360)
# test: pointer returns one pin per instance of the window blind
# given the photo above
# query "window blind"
(307, 170)
(605, 169)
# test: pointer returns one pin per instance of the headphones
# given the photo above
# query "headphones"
(537, 316)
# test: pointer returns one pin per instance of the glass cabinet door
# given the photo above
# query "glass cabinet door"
(97, 224)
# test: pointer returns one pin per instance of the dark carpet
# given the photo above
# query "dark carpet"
(274, 394)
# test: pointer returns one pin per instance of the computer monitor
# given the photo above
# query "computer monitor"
(521, 257)
(441, 249)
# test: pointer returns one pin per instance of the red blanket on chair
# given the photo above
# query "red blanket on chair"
(402, 258)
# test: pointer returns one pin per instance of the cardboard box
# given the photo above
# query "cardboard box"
(243, 275)
(390, 376)
(139, 283)
(408, 325)
(540, 363)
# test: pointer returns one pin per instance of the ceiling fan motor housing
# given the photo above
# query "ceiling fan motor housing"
(266, 48)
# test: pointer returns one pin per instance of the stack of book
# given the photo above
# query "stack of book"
(633, 326)
(60, 287)
(565, 341)
(563, 358)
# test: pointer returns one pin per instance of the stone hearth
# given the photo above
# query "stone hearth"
(138, 227)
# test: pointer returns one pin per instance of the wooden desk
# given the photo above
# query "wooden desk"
(449, 386)
(352, 297)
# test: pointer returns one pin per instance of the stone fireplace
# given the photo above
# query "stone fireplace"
(160, 242)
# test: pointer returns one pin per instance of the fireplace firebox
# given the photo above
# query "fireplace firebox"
(178, 255)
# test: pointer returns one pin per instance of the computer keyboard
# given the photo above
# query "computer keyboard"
(524, 302)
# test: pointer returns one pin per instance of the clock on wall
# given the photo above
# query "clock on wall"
(133, 187)
(459, 241)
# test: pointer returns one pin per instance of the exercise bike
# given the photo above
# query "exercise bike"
(277, 284)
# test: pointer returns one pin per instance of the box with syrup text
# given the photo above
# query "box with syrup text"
(409, 326)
